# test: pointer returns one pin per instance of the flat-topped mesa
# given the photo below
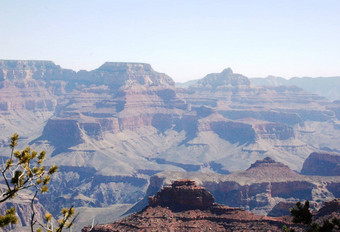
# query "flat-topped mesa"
(21, 64)
(122, 73)
(183, 194)
(125, 66)
(220, 80)
(33, 69)
(184, 182)
(110, 73)
(263, 162)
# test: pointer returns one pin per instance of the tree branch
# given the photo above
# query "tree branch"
(33, 211)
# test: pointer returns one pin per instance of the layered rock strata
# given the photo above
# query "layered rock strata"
(111, 128)
(183, 206)
(182, 195)
(264, 187)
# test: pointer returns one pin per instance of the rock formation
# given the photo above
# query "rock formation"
(281, 209)
(120, 73)
(322, 164)
(329, 211)
(268, 169)
(33, 69)
(183, 206)
(111, 128)
(182, 195)
(265, 187)
(330, 207)
(220, 80)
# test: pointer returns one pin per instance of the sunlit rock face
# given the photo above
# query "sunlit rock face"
(33, 69)
(23, 85)
(182, 195)
(120, 73)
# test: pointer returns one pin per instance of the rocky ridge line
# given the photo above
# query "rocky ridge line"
(183, 206)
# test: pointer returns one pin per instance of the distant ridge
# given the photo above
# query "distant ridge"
(328, 87)
(111, 73)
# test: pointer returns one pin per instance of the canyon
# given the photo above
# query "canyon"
(117, 130)
(184, 206)
(169, 211)
(267, 187)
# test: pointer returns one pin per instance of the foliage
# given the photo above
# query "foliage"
(8, 218)
(25, 170)
(286, 229)
(302, 214)
(65, 221)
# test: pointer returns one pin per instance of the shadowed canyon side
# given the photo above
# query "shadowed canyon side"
(322, 164)
(183, 206)
(112, 128)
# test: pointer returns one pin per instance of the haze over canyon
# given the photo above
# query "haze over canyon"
(110, 129)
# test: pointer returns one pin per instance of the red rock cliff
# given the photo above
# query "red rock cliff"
(182, 194)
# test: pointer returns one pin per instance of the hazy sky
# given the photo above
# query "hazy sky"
(184, 39)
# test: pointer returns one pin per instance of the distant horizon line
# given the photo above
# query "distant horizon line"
(144, 63)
